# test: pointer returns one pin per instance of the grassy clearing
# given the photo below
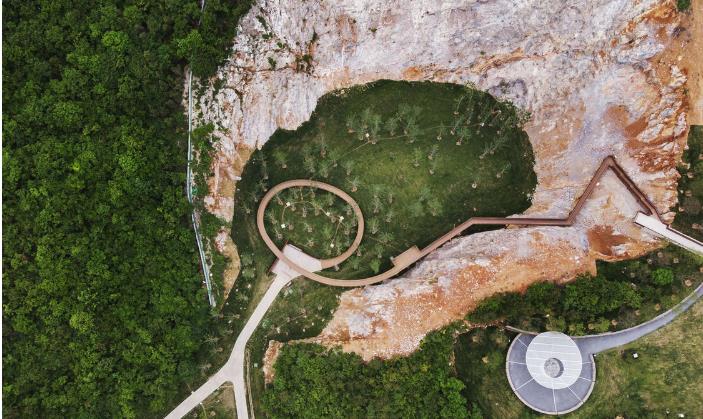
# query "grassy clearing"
(408, 196)
(318, 222)
(689, 215)
(663, 381)
(377, 168)
(219, 405)
(301, 311)
(418, 158)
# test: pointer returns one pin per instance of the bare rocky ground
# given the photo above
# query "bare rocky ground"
(599, 77)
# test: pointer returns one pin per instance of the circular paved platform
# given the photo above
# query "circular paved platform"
(549, 373)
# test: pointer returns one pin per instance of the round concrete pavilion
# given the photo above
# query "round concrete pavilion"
(549, 373)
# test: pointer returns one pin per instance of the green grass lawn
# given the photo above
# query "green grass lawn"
(219, 405)
(689, 214)
(664, 381)
(417, 157)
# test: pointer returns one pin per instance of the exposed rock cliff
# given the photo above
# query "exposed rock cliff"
(599, 77)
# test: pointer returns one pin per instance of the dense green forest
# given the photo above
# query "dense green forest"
(103, 306)
(312, 382)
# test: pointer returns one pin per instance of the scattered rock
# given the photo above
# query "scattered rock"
(269, 361)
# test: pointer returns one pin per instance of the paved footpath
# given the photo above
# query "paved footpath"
(594, 344)
(233, 370)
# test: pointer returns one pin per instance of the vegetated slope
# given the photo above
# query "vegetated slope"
(663, 380)
(622, 295)
(314, 382)
(689, 218)
(413, 197)
(103, 308)
(625, 294)
(417, 157)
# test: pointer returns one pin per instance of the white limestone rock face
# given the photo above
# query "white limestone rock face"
(599, 78)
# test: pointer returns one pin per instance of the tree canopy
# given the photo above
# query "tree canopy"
(103, 307)
(312, 382)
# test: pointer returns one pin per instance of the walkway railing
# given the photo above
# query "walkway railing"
(189, 184)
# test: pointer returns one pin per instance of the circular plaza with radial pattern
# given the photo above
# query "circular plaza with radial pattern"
(549, 372)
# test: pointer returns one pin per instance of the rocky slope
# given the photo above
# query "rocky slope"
(599, 77)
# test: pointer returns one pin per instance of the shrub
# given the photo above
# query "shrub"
(663, 277)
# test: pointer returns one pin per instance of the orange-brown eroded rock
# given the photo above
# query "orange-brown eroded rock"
(270, 356)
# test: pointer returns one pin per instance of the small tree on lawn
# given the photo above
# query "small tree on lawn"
(374, 225)
(348, 166)
(334, 155)
(324, 169)
(433, 167)
(378, 250)
(386, 237)
(280, 158)
(375, 265)
(249, 272)
(433, 152)
(309, 165)
(327, 232)
(354, 184)
(329, 199)
(417, 210)
(322, 145)
(376, 204)
(417, 156)
(271, 217)
(352, 123)
(435, 207)
(246, 259)
(390, 214)
(503, 170)
(391, 125)
(316, 206)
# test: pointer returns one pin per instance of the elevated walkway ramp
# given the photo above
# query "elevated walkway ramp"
(674, 236)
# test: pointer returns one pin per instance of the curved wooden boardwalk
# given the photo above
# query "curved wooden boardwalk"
(413, 254)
